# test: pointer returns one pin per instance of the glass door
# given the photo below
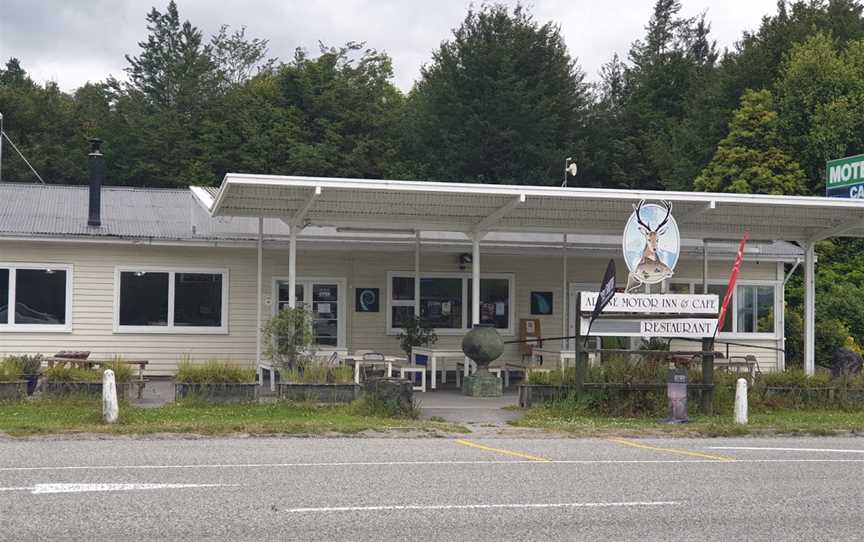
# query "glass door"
(323, 300)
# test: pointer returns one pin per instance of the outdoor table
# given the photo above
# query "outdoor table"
(387, 362)
(433, 355)
(91, 363)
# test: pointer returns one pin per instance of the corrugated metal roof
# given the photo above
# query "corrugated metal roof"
(47, 210)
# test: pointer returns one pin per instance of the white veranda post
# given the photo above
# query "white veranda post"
(292, 267)
(259, 290)
(809, 308)
(475, 280)
(417, 275)
(565, 298)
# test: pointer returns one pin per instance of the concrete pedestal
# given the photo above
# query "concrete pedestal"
(482, 385)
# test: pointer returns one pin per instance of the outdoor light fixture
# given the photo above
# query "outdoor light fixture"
(465, 259)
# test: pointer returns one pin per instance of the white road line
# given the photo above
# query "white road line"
(46, 489)
(349, 464)
(478, 506)
(832, 450)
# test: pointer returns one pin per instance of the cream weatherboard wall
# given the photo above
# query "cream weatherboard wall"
(94, 265)
(93, 268)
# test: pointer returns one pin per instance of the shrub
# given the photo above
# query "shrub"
(26, 364)
(318, 374)
(213, 372)
(288, 338)
(122, 373)
(415, 332)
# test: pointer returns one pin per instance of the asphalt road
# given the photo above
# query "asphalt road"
(432, 489)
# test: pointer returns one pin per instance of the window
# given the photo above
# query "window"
(755, 309)
(751, 309)
(35, 297)
(166, 301)
(494, 302)
(445, 301)
(324, 299)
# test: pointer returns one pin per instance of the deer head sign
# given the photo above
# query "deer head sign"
(651, 244)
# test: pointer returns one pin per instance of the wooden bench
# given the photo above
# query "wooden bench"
(87, 363)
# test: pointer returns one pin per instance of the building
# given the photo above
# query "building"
(165, 274)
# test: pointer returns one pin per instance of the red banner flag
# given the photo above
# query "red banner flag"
(733, 277)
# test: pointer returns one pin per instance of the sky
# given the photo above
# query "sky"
(86, 40)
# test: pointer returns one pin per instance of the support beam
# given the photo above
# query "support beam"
(705, 266)
(260, 291)
(490, 220)
(292, 267)
(298, 217)
(417, 275)
(475, 279)
(565, 298)
(791, 271)
(809, 308)
(836, 231)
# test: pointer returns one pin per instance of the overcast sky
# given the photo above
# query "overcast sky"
(85, 40)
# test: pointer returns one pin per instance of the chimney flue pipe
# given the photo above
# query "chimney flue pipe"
(97, 177)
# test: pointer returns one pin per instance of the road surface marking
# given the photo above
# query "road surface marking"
(833, 450)
(501, 451)
(44, 489)
(480, 506)
(494, 462)
(670, 450)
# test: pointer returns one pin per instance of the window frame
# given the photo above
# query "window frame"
(10, 326)
(696, 287)
(466, 300)
(171, 328)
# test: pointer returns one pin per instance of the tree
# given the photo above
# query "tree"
(821, 103)
(749, 159)
(501, 102)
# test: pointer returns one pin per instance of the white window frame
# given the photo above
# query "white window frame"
(171, 328)
(340, 282)
(466, 300)
(696, 287)
(10, 326)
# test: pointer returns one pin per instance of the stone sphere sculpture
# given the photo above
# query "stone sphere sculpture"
(483, 345)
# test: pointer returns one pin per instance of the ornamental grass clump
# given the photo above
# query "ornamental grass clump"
(122, 373)
(213, 372)
(318, 374)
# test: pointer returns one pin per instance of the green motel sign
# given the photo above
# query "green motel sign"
(844, 177)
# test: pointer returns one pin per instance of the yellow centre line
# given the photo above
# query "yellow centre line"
(670, 450)
(470, 444)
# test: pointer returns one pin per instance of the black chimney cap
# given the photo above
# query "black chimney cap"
(95, 145)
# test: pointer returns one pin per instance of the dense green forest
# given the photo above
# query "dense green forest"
(501, 100)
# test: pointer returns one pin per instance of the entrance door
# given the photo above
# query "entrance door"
(324, 298)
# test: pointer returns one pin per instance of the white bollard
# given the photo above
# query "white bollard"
(741, 401)
(110, 408)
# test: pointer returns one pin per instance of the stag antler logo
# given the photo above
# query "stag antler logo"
(651, 252)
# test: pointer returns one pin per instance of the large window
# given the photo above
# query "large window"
(171, 301)
(35, 297)
(751, 309)
(445, 301)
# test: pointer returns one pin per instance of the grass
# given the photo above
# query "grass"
(122, 373)
(319, 374)
(807, 422)
(65, 416)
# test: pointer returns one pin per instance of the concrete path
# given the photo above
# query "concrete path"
(431, 489)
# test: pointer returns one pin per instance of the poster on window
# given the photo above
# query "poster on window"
(541, 303)
(367, 300)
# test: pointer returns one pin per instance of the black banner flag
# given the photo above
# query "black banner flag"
(604, 296)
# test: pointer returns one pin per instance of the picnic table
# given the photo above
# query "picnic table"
(435, 354)
(358, 360)
(88, 363)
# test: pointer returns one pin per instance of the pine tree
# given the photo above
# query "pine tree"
(749, 160)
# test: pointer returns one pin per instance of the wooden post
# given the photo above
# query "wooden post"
(708, 376)
(579, 354)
